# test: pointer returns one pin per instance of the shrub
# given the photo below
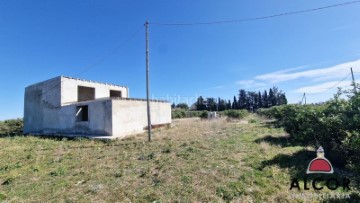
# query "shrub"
(237, 114)
(333, 125)
(191, 114)
(203, 115)
(11, 127)
(181, 113)
(178, 113)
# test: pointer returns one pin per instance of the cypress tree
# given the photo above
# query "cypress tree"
(260, 103)
(235, 104)
(271, 99)
(228, 105)
(242, 99)
(265, 100)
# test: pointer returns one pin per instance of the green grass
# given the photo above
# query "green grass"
(194, 161)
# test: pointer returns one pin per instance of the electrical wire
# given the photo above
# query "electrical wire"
(327, 89)
(112, 52)
(255, 18)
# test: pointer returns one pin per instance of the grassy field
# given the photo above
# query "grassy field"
(194, 161)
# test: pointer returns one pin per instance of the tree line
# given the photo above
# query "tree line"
(249, 100)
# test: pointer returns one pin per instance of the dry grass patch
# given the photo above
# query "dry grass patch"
(194, 161)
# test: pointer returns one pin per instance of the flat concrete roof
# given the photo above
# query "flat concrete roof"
(91, 81)
(115, 98)
(73, 78)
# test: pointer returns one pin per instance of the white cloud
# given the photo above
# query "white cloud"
(319, 84)
(251, 84)
(321, 74)
(292, 69)
(323, 87)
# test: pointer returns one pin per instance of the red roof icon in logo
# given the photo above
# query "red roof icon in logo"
(320, 164)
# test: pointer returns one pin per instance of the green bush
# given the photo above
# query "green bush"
(333, 125)
(191, 114)
(181, 113)
(237, 114)
(178, 113)
(203, 114)
(11, 127)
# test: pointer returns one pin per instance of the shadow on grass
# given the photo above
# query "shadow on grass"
(296, 163)
(270, 124)
(283, 141)
(10, 134)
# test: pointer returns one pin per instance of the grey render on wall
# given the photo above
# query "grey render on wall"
(71, 106)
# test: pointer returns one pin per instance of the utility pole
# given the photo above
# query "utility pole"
(304, 97)
(147, 80)
(353, 80)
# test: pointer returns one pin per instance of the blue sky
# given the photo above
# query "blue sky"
(299, 53)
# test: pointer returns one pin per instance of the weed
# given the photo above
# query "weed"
(118, 174)
(186, 179)
(58, 172)
(2, 197)
(147, 157)
(166, 150)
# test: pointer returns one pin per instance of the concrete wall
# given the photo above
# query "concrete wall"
(69, 91)
(51, 107)
(130, 116)
(40, 98)
(40, 118)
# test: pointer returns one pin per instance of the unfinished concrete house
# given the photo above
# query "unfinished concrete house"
(70, 106)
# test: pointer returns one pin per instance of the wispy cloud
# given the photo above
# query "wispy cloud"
(323, 87)
(321, 74)
(292, 69)
(321, 82)
(251, 84)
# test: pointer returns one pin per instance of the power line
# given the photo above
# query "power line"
(327, 89)
(111, 52)
(102, 59)
(256, 18)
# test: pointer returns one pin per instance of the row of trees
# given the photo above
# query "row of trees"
(246, 100)
(255, 100)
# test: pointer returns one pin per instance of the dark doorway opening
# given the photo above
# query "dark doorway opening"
(82, 113)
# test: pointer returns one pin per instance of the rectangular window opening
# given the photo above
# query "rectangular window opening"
(86, 93)
(82, 113)
(114, 93)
